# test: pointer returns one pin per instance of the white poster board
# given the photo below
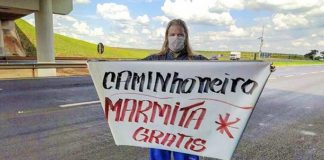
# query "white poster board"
(195, 107)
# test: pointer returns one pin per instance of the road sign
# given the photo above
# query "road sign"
(100, 48)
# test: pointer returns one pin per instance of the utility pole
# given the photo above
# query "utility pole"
(261, 43)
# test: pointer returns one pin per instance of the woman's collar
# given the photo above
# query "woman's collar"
(178, 54)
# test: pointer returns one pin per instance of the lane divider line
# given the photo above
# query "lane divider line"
(300, 74)
(78, 104)
(289, 76)
(1, 89)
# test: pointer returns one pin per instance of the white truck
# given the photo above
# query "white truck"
(235, 56)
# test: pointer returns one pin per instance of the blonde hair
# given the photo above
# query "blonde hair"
(187, 47)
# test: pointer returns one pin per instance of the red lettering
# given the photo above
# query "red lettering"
(140, 111)
(144, 135)
(188, 143)
(174, 113)
(113, 107)
(182, 136)
(170, 141)
(125, 108)
(167, 139)
(156, 136)
(163, 112)
(186, 110)
(199, 120)
(200, 143)
(146, 110)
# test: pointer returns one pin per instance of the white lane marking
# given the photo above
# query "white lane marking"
(78, 104)
(20, 112)
(313, 72)
(289, 75)
(262, 124)
(303, 74)
(308, 133)
(272, 78)
(1, 89)
(322, 71)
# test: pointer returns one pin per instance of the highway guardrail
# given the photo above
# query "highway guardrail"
(41, 65)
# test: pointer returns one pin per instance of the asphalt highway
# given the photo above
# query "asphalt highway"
(60, 118)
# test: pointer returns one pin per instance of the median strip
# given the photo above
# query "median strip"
(79, 104)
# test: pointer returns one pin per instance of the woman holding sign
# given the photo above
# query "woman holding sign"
(175, 47)
(176, 44)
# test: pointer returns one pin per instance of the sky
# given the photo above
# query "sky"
(290, 26)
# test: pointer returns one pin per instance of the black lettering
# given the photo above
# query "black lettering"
(215, 82)
(164, 82)
(223, 90)
(149, 83)
(204, 84)
(119, 77)
(183, 86)
(176, 80)
(112, 79)
(247, 83)
(234, 83)
(138, 79)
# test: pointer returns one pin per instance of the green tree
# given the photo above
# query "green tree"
(311, 54)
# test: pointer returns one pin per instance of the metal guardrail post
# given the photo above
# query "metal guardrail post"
(33, 70)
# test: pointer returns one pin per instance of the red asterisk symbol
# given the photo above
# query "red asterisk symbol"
(224, 124)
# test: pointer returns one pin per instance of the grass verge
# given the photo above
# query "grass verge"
(285, 63)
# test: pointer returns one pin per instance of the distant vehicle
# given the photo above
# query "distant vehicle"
(215, 57)
(235, 56)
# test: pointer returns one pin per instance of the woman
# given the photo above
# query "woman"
(175, 47)
(176, 44)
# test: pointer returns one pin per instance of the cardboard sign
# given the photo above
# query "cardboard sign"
(195, 107)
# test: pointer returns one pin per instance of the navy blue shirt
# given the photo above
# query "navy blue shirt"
(159, 154)
(169, 56)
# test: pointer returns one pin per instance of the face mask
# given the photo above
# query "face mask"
(176, 43)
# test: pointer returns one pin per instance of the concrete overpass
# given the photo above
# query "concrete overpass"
(44, 10)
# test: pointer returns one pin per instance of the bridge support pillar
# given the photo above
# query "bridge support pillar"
(45, 36)
(2, 50)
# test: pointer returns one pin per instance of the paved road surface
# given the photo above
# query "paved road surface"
(43, 119)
